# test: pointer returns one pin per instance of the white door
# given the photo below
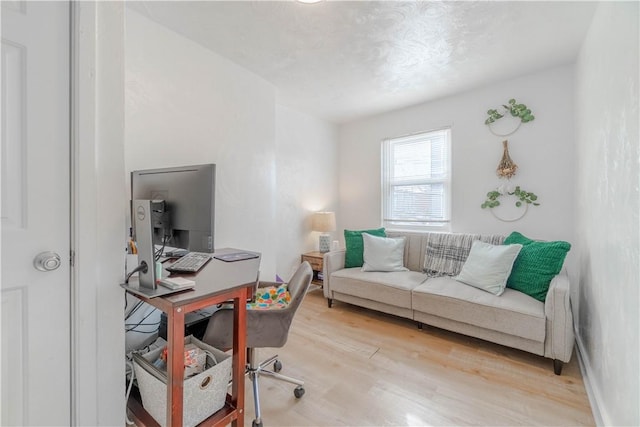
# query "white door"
(36, 371)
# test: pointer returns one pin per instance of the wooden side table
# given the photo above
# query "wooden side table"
(316, 260)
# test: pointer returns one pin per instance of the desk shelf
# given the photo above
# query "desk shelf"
(226, 415)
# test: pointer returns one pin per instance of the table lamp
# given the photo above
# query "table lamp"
(324, 222)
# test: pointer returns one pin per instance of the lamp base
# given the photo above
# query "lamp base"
(324, 243)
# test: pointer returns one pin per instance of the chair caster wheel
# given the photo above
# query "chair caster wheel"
(277, 366)
(256, 424)
(298, 392)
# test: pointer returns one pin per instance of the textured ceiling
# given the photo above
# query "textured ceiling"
(344, 60)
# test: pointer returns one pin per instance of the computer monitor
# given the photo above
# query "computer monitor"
(188, 192)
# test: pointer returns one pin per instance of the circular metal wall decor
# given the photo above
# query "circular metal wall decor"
(514, 214)
(523, 200)
(515, 115)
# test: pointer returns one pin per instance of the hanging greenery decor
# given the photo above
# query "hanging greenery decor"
(521, 195)
(516, 114)
(506, 168)
(513, 108)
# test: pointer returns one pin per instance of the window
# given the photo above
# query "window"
(416, 181)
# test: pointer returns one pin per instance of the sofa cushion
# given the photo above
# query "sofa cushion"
(488, 266)
(536, 264)
(393, 288)
(383, 253)
(512, 313)
(355, 246)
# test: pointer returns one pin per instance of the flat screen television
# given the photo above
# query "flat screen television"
(186, 218)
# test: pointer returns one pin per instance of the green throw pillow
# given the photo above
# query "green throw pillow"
(355, 246)
(536, 264)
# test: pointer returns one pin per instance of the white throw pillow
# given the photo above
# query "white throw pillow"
(488, 266)
(383, 253)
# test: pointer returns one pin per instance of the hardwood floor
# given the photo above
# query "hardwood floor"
(363, 368)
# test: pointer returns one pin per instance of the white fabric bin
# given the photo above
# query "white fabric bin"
(204, 393)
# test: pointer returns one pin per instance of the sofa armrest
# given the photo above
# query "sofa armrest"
(332, 261)
(560, 338)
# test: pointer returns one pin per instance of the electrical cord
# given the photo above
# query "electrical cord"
(212, 356)
(140, 323)
(142, 267)
(135, 328)
(130, 369)
(126, 399)
(158, 252)
(165, 239)
(134, 309)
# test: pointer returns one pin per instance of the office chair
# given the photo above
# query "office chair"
(265, 328)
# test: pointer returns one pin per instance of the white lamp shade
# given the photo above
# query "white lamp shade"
(323, 221)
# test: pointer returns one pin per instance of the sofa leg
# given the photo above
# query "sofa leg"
(329, 302)
(419, 325)
(557, 366)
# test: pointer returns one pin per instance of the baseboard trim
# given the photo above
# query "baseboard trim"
(594, 395)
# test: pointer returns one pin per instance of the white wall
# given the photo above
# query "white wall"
(99, 158)
(188, 105)
(307, 181)
(543, 150)
(607, 226)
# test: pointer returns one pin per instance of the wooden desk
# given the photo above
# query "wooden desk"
(218, 281)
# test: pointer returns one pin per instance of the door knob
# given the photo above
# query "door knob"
(46, 261)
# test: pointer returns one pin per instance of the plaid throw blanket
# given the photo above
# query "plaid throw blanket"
(446, 253)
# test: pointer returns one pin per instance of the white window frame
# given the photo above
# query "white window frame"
(443, 224)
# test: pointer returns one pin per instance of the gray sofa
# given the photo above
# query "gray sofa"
(513, 319)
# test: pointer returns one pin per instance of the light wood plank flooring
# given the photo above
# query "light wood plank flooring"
(364, 368)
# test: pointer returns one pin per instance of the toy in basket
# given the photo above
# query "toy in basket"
(207, 375)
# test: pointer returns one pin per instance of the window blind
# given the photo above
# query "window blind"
(416, 180)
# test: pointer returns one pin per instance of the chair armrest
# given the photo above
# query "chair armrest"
(559, 340)
(332, 261)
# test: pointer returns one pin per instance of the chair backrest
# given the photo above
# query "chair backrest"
(265, 328)
(270, 328)
(298, 285)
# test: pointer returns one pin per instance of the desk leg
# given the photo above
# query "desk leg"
(239, 355)
(175, 366)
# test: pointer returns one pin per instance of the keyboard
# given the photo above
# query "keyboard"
(190, 263)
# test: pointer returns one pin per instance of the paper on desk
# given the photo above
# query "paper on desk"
(177, 283)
